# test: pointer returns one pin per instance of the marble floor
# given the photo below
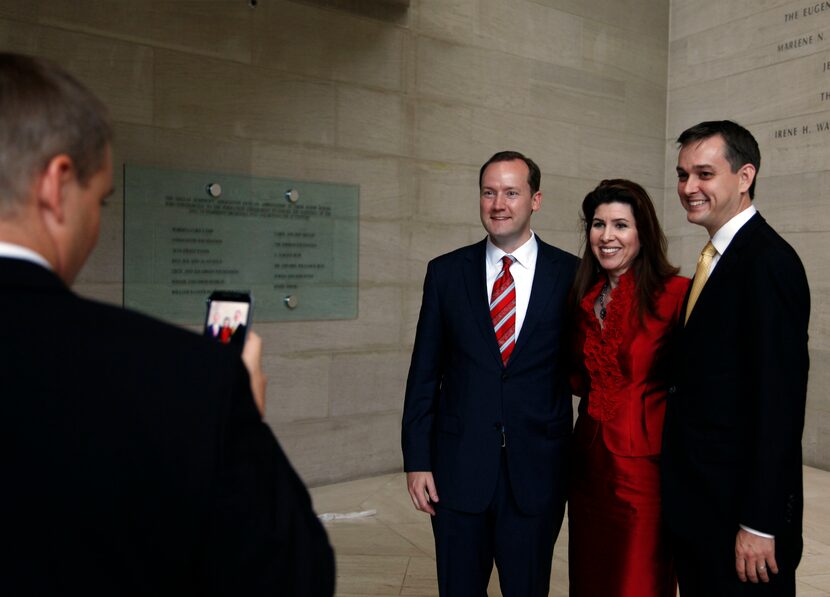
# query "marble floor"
(390, 551)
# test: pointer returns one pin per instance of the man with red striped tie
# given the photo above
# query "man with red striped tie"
(487, 417)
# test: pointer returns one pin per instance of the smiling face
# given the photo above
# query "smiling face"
(614, 239)
(506, 204)
(709, 191)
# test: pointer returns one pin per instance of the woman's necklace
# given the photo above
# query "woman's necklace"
(602, 294)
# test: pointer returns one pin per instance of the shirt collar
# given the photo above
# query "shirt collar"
(13, 251)
(727, 232)
(525, 255)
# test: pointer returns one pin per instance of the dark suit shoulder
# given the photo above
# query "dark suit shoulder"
(140, 358)
(120, 346)
(458, 255)
(766, 250)
(763, 237)
(125, 326)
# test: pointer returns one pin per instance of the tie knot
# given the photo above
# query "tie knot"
(507, 261)
(709, 250)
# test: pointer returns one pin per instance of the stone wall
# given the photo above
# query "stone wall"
(765, 65)
(407, 102)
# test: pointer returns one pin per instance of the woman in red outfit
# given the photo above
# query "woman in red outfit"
(628, 299)
(226, 331)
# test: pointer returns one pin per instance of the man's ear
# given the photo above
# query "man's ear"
(51, 187)
(536, 201)
(747, 174)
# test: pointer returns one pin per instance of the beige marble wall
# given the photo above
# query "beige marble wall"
(765, 65)
(405, 102)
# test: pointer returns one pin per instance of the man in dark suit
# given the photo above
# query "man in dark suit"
(135, 460)
(214, 327)
(732, 477)
(239, 328)
(487, 418)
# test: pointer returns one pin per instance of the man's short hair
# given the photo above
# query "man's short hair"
(45, 112)
(739, 144)
(534, 175)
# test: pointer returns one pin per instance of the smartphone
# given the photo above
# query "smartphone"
(229, 317)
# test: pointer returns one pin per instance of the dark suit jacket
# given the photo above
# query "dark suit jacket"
(459, 395)
(732, 442)
(134, 460)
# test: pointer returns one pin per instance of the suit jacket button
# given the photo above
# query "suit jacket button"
(672, 390)
(504, 376)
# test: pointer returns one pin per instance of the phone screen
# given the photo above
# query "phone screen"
(228, 317)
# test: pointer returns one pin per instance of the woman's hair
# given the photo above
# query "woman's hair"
(650, 267)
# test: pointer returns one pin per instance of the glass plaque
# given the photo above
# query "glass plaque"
(293, 244)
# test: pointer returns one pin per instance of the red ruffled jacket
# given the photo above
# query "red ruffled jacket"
(622, 374)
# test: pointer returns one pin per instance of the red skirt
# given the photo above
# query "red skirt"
(616, 545)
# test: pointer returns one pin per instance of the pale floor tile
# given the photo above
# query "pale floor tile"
(816, 483)
(348, 497)
(819, 582)
(815, 558)
(393, 499)
(420, 535)
(420, 578)
(368, 537)
(392, 552)
(370, 574)
(817, 518)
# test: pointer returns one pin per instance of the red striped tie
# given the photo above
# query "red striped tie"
(503, 309)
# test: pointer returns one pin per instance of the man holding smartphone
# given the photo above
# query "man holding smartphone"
(127, 469)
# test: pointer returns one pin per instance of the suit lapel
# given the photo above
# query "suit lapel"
(725, 267)
(544, 281)
(475, 281)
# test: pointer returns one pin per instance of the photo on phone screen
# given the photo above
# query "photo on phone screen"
(228, 317)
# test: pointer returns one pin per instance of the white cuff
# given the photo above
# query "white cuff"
(759, 533)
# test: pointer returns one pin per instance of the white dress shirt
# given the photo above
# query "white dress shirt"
(13, 251)
(723, 237)
(522, 271)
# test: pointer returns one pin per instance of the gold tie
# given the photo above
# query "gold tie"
(704, 262)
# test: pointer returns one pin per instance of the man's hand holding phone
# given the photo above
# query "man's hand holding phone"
(227, 321)
(252, 357)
